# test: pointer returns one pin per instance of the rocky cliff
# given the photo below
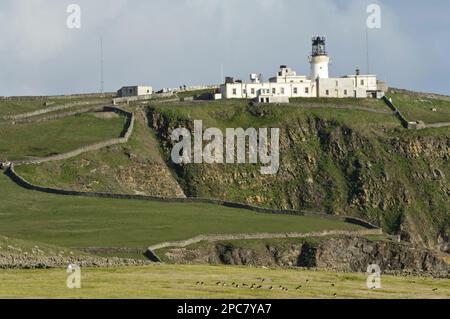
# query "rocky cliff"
(395, 178)
(350, 254)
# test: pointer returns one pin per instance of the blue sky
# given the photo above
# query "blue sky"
(167, 43)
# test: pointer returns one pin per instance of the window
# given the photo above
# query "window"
(345, 92)
(295, 91)
(282, 90)
(245, 91)
(327, 92)
(234, 92)
(274, 91)
(362, 82)
(253, 91)
(307, 90)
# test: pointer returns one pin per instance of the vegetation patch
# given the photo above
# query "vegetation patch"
(43, 139)
(196, 282)
(421, 108)
(94, 222)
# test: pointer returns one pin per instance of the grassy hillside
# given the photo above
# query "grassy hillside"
(53, 137)
(133, 168)
(180, 282)
(15, 106)
(91, 222)
(338, 156)
(420, 107)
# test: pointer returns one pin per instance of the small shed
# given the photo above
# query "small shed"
(137, 90)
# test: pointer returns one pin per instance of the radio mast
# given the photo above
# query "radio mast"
(102, 80)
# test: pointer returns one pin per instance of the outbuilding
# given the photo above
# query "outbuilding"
(137, 90)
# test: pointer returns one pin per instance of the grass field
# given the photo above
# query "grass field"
(416, 108)
(238, 113)
(54, 137)
(26, 105)
(99, 170)
(92, 222)
(180, 282)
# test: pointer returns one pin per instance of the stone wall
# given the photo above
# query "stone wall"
(50, 109)
(437, 125)
(216, 238)
(141, 98)
(26, 184)
(59, 97)
(419, 125)
(128, 131)
(403, 120)
(57, 116)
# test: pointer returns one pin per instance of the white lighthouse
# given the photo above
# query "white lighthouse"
(319, 59)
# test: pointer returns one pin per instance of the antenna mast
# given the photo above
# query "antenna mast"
(102, 80)
(367, 50)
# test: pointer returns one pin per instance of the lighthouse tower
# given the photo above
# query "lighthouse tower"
(319, 59)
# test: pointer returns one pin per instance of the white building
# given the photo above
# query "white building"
(287, 84)
(137, 90)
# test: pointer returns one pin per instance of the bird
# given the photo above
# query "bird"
(237, 286)
(335, 295)
(435, 289)
(218, 283)
(259, 287)
(299, 287)
(332, 285)
(270, 288)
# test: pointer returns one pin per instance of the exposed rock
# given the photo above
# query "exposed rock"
(395, 180)
(352, 254)
(38, 261)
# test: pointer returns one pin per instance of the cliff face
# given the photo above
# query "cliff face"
(348, 254)
(397, 179)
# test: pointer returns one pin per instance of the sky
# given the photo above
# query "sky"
(168, 43)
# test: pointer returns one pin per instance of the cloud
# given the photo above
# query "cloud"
(170, 43)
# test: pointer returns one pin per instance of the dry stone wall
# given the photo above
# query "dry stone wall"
(50, 109)
(216, 238)
(28, 185)
(129, 127)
